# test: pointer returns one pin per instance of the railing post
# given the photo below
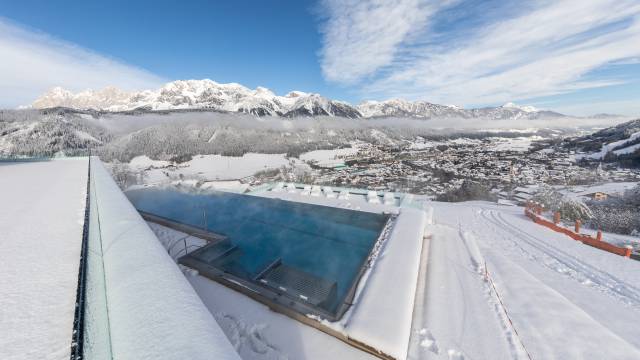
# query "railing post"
(599, 235)
(556, 218)
(627, 254)
(577, 226)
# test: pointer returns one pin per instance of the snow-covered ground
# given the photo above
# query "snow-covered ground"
(217, 169)
(329, 158)
(556, 298)
(491, 285)
(42, 207)
(208, 167)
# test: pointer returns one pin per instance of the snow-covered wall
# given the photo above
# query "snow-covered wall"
(153, 312)
(384, 310)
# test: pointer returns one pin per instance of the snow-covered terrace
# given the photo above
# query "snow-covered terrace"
(495, 286)
(137, 303)
(42, 208)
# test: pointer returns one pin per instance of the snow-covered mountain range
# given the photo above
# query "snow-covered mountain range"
(199, 94)
(232, 97)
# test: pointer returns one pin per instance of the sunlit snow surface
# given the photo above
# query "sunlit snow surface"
(42, 208)
(566, 300)
(560, 298)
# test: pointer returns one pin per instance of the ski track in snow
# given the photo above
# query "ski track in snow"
(550, 297)
(559, 260)
(491, 296)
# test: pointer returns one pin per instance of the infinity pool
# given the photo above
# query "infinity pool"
(306, 256)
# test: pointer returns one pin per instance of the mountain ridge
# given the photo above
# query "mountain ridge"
(234, 97)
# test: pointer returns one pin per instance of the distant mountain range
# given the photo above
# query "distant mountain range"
(208, 94)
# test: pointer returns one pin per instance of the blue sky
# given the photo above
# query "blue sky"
(577, 57)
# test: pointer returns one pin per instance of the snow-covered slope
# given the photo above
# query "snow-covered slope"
(610, 143)
(199, 94)
(499, 286)
(48, 133)
(233, 97)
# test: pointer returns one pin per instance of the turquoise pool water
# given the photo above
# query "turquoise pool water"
(295, 247)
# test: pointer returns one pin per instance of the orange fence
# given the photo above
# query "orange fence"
(534, 212)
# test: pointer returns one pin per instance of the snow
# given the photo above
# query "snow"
(606, 148)
(556, 298)
(41, 221)
(381, 316)
(422, 144)
(208, 167)
(186, 94)
(486, 283)
(514, 144)
(153, 312)
(259, 333)
(525, 108)
(227, 167)
(329, 158)
(229, 185)
(627, 150)
(144, 162)
(611, 188)
(86, 136)
(255, 331)
(383, 312)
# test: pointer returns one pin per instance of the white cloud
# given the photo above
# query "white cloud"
(551, 47)
(360, 37)
(32, 63)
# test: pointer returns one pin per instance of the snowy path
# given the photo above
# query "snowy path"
(41, 218)
(461, 320)
(566, 300)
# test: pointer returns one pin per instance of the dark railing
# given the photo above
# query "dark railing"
(77, 340)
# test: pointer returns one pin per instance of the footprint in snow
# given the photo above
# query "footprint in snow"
(428, 341)
(455, 355)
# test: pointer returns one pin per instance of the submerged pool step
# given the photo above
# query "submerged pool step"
(209, 236)
(216, 251)
(295, 282)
